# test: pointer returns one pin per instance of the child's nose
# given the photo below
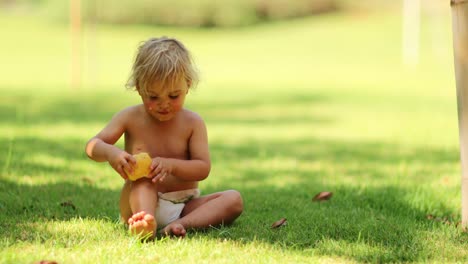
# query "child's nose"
(164, 103)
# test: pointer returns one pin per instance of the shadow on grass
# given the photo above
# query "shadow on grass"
(83, 108)
(40, 156)
(364, 221)
(369, 225)
(70, 190)
(25, 208)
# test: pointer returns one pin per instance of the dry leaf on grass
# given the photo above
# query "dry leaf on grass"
(279, 223)
(68, 204)
(322, 196)
(87, 180)
(447, 220)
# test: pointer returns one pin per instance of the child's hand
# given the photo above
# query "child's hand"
(121, 161)
(160, 168)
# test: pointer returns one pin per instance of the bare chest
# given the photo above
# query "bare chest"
(168, 140)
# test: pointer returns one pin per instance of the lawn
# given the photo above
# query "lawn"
(292, 109)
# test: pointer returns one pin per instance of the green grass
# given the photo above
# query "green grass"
(292, 109)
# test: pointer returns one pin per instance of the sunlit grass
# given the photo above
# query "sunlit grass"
(292, 109)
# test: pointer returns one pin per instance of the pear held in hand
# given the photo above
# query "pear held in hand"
(142, 167)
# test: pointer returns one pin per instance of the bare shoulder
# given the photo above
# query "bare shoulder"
(128, 113)
(131, 110)
(192, 118)
(119, 123)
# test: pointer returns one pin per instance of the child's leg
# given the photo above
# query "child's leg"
(125, 210)
(210, 210)
(138, 203)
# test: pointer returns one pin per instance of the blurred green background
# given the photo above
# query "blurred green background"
(353, 97)
(281, 41)
(205, 13)
(343, 67)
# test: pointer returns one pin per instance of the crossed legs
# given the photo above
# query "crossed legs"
(209, 210)
(138, 204)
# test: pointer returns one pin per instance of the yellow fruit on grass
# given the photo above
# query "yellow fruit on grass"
(142, 167)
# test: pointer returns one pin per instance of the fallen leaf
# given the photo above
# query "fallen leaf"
(279, 223)
(451, 221)
(87, 180)
(68, 204)
(322, 196)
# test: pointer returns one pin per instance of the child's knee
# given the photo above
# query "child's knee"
(236, 202)
(143, 184)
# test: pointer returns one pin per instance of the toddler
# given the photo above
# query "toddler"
(168, 199)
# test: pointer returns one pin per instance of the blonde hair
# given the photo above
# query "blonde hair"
(163, 60)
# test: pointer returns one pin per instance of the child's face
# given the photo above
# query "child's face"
(164, 103)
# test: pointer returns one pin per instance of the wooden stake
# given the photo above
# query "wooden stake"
(460, 47)
(411, 28)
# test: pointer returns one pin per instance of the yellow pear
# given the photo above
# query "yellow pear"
(142, 167)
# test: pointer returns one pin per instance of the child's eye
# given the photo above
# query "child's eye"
(173, 96)
(153, 97)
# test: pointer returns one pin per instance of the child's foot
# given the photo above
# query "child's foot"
(174, 229)
(142, 224)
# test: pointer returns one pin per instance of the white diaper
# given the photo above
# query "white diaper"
(171, 204)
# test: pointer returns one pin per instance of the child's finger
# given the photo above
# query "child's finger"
(163, 177)
(160, 177)
(122, 172)
(131, 159)
(159, 168)
(155, 178)
(124, 175)
(127, 166)
(153, 172)
(154, 164)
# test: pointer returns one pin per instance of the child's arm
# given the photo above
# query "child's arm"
(196, 168)
(101, 147)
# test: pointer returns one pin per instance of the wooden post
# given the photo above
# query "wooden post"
(411, 27)
(460, 47)
(75, 28)
(92, 66)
